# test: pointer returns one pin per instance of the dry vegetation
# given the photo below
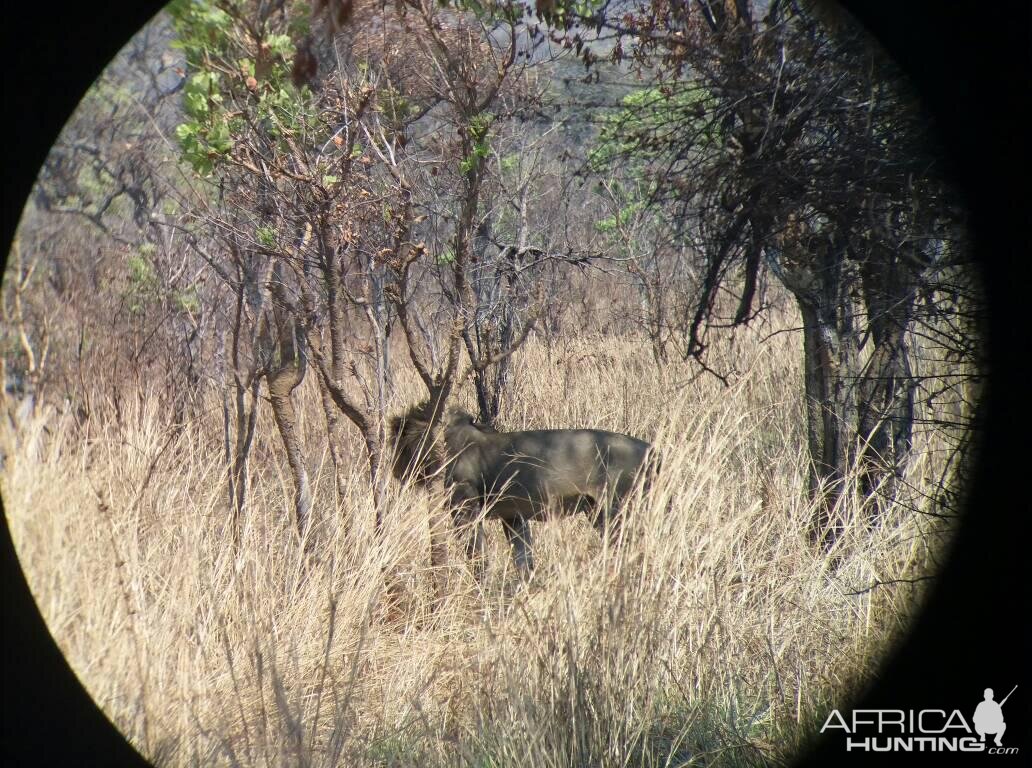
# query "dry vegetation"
(716, 634)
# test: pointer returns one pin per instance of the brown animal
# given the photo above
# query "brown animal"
(521, 476)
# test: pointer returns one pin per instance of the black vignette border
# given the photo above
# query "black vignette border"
(970, 63)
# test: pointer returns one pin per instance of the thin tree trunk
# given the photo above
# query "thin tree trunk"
(830, 368)
(288, 347)
(886, 390)
(282, 383)
(335, 438)
(886, 405)
(818, 275)
(440, 522)
(377, 471)
(245, 421)
(336, 322)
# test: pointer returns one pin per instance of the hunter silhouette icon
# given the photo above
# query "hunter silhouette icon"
(989, 716)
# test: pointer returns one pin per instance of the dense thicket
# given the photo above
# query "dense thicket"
(259, 192)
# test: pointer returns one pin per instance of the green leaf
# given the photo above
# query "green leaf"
(187, 301)
(266, 236)
(196, 104)
(628, 132)
(185, 131)
(281, 45)
(219, 139)
(510, 162)
(200, 91)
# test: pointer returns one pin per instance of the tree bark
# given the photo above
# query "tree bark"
(830, 412)
(886, 391)
(282, 382)
(245, 416)
(816, 272)
(335, 438)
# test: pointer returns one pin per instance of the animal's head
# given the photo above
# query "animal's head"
(414, 457)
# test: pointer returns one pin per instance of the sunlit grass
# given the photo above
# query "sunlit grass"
(714, 635)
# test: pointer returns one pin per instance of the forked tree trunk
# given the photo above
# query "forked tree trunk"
(816, 272)
(489, 384)
(283, 338)
(859, 417)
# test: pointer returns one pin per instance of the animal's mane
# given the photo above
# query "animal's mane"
(413, 456)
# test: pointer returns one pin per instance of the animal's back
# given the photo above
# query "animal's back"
(568, 462)
(594, 444)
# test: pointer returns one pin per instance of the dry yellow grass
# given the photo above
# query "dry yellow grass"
(715, 634)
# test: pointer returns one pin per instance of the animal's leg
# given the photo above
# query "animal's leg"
(607, 520)
(466, 514)
(517, 531)
(475, 549)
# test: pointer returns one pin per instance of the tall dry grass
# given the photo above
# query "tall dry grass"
(713, 635)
